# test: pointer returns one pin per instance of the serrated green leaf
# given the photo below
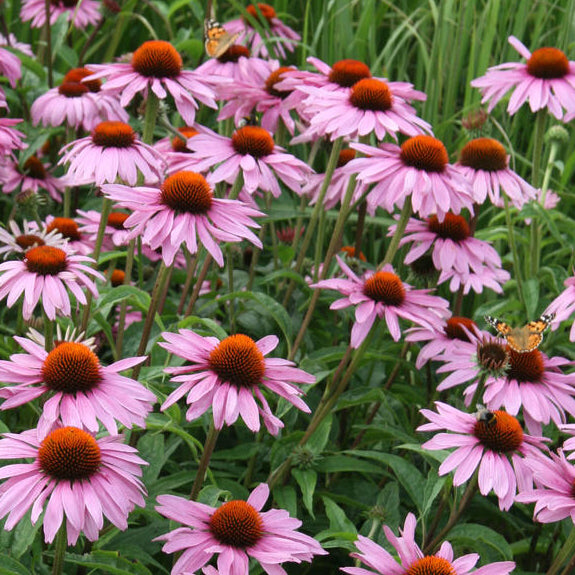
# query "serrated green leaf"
(307, 480)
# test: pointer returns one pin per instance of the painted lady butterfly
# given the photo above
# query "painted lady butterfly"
(522, 339)
(217, 40)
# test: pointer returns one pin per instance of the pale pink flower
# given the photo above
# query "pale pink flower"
(115, 234)
(412, 559)
(277, 34)
(70, 230)
(79, 14)
(47, 272)
(485, 164)
(229, 375)
(182, 211)
(235, 531)
(470, 262)
(546, 80)
(10, 66)
(492, 442)
(112, 151)
(157, 66)
(13, 42)
(81, 478)
(234, 64)
(383, 295)
(10, 138)
(252, 153)
(419, 170)
(77, 389)
(563, 306)
(15, 241)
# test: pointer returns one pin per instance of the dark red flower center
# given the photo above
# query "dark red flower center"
(371, 94)
(69, 453)
(34, 168)
(273, 79)
(548, 63)
(113, 135)
(26, 241)
(346, 155)
(253, 140)
(502, 434)
(453, 227)
(424, 153)
(187, 192)
(492, 356)
(179, 144)
(72, 89)
(234, 53)
(484, 154)
(238, 360)
(71, 367)
(78, 74)
(157, 59)
(67, 227)
(116, 220)
(385, 287)
(454, 328)
(117, 278)
(65, 3)
(346, 73)
(431, 565)
(237, 523)
(526, 367)
(265, 9)
(46, 260)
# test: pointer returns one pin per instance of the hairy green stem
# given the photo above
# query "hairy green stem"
(209, 446)
(401, 225)
(60, 546)
(198, 284)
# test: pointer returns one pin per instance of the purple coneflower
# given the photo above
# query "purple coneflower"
(546, 80)
(81, 392)
(412, 560)
(79, 13)
(251, 152)
(232, 64)
(115, 234)
(235, 531)
(10, 138)
(471, 262)
(110, 152)
(229, 376)
(563, 306)
(418, 170)
(70, 230)
(382, 294)
(83, 480)
(10, 66)
(485, 164)
(157, 66)
(15, 241)
(182, 210)
(494, 442)
(273, 28)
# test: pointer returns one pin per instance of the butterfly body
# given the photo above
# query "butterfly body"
(522, 339)
(217, 40)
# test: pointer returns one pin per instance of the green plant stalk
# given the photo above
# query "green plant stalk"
(478, 390)
(231, 302)
(106, 208)
(191, 262)
(60, 546)
(209, 446)
(124, 305)
(150, 117)
(48, 32)
(565, 553)
(198, 284)
(514, 253)
(318, 208)
(48, 332)
(401, 225)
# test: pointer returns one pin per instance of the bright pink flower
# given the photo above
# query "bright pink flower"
(229, 376)
(382, 294)
(235, 531)
(553, 496)
(471, 262)
(412, 559)
(34, 175)
(156, 65)
(181, 211)
(494, 442)
(112, 151)
(83, 480)
(418, 170)
(546, 80)
(81, 392)
(280, 36)
(16, 241)
(251, 152)
(563, 306)
(10, 66)
(10, 139)
(47, 272)
(485, 165)
(79, 14)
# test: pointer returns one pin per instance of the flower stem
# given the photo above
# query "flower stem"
(48, 32)
(60, 546)
(48, 332)
(566, 552)
(124, 304)
(209, 446)
(478, 390)
(152, 107)
(540, 120)
(192, 262)
(198, 284)
(401, 225)
(514, 253)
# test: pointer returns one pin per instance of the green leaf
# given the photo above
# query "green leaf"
(433, 487)
(307, 480)
(343, 463)
(210, 495)
(489, 544)
(286, 497)
(108, 562)
(206, 322)
(320, 436)
(9, 566)
(338, 520)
